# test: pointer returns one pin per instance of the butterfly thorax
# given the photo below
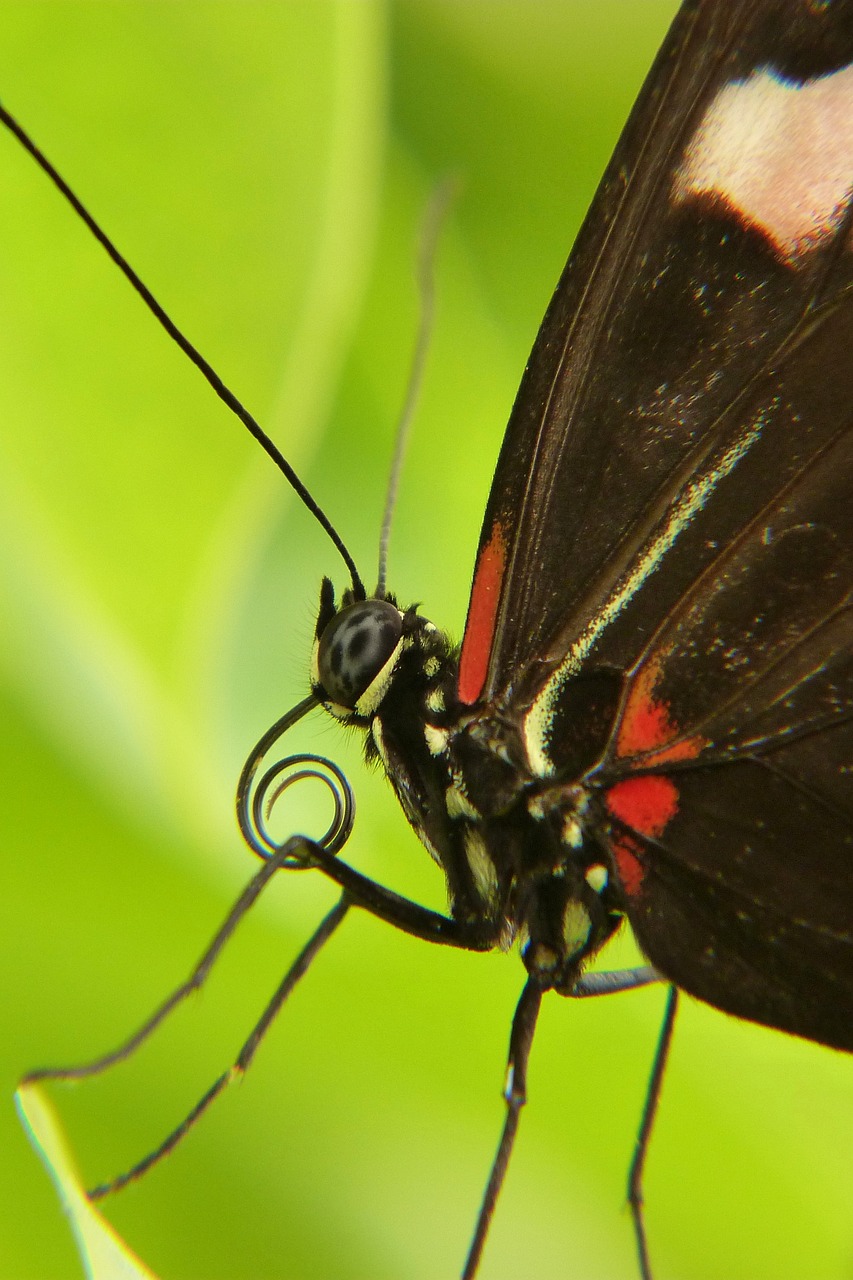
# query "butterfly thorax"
(517, 851)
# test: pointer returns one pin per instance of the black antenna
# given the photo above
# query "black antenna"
(225, 394)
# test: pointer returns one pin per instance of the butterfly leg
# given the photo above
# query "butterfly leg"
(609, 982)
(650, 1106)
(300, 965)
(285, 857)
(515, 1094)
(404, 914)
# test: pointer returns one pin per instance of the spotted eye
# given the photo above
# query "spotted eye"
(355, 647)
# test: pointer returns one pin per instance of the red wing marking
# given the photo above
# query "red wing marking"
(630, 868)
(646, 804)
(482, 613)
(647, 723)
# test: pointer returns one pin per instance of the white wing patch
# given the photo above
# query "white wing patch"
(780, 153)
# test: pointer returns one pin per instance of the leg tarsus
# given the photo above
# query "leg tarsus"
(515, 1095)
(644, 1133)
(321, 935)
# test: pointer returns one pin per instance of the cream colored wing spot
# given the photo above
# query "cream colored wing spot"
(780, 153)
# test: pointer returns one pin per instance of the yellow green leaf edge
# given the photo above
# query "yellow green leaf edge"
(105, 1256)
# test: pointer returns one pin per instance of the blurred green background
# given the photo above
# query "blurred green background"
(265, 166)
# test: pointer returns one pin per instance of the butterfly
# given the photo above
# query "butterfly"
(641, 801)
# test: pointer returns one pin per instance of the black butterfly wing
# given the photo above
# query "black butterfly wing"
(728, 783)
(671, 514)
(683, 283)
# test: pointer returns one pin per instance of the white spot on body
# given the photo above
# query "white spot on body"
(576, 926)
(457, 803)
(436, 739)
(572, 832)
(379, 741)
(780, 153)
(482, 868)
(597, 877)
(435, 697)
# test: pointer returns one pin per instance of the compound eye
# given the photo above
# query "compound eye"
(355, 647)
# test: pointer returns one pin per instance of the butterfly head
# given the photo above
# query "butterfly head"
(358, 650)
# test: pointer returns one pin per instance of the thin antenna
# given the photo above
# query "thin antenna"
(433, 220)
(212, 377)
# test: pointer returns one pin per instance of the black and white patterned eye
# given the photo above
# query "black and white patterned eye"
(354, 648)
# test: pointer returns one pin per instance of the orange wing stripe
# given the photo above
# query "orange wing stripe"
(482, 613)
